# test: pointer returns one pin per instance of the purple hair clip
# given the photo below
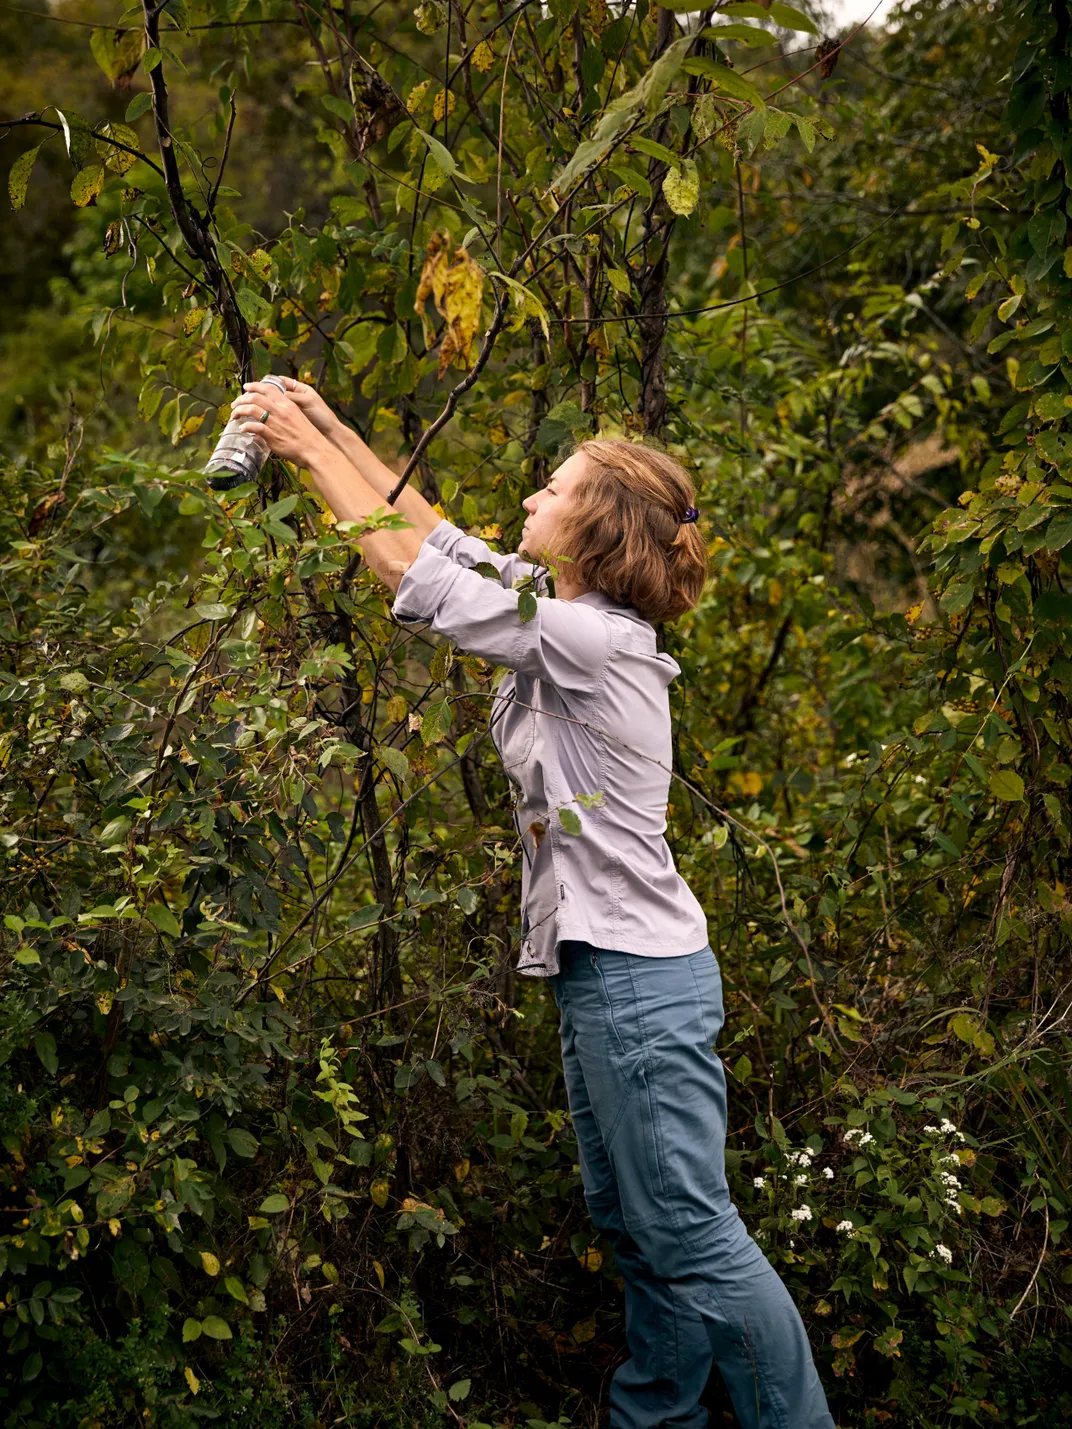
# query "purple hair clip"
(692, 514)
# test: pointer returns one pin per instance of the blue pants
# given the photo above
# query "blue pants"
(647, 1097)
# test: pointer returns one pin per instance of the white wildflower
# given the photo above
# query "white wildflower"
(952, 1201)
(845, 1227)
(758, 1182)
(800, 1180)
(960, 1136)
(866, 1139)
(948, 1179)
(946, 1126)
(802, 1213)
(828, 1173)
(930, 1131)
(942, 1252)
(949, 1160)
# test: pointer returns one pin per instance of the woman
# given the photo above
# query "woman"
(583, 728)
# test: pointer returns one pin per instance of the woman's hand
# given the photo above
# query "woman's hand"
(312, 404)
(288, 430)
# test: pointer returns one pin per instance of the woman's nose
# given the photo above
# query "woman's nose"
(529, 504)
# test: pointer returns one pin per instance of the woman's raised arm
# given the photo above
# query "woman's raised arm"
(351, 478)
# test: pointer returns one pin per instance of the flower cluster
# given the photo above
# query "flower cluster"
(944, 1128)
(804, 1157)
(942, 1252)
(856, 1136)
(845, 1227)
(802, 1213)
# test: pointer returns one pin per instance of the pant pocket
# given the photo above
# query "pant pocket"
(613, 1028)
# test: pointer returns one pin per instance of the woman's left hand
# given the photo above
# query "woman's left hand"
(287, 430)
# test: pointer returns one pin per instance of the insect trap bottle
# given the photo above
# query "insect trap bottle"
(238, 455)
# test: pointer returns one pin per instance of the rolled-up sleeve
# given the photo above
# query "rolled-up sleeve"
(566, 643)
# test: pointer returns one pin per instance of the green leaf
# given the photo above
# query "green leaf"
(459, 1389)
(235, 1289)
(790, 18)
(1045, 229)
(1059, 532)
(724, 79)
(215, 1328)
(191, 1330)
(395, 760)
(138, 105)
(364, 917)
(213, 610)
(19, 177)
(274, 1205)
(45, 1047)
(74, 681)
(654, 150)
(436, 722)
(957, 597)
(619, 281)
(242, 1142)
(526, 606)
(442, 158)
(632, 179)
(117, 51)
(339, 107)
(745, 34)
(570, 820)
(806, 130)
(115, 831)
(161, 916)
(27, 957)
(1006, 784)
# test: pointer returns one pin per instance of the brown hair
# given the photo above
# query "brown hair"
(624, 534)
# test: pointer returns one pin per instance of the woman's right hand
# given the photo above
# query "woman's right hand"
(313, 405)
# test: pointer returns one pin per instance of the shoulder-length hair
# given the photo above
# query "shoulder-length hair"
(624, 533)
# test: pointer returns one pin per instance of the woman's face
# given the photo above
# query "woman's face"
(546, 509)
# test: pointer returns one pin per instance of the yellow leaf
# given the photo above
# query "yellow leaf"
(104, 1003)
(442, 105)
(457, 285)
(397, 708)
(591, 1259)
(115, 1226)
(87, 184)
(116, 159)
(750, 783)
(192, 1380)
(378, 1268)
(209, 1263)
(416, 96)
(190, 426)
(483, 57)
(461, 1169)
(681, 187)
(380, 1190)
(191, 320)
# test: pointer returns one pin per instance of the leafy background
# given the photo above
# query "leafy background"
(284, 1139)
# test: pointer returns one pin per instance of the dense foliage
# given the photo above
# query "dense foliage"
(284, 1139)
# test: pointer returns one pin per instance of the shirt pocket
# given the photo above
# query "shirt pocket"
(513, 725)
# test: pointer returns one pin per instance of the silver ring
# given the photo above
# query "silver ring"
(267, 414)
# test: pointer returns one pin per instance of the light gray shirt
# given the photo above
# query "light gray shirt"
(584, 711)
